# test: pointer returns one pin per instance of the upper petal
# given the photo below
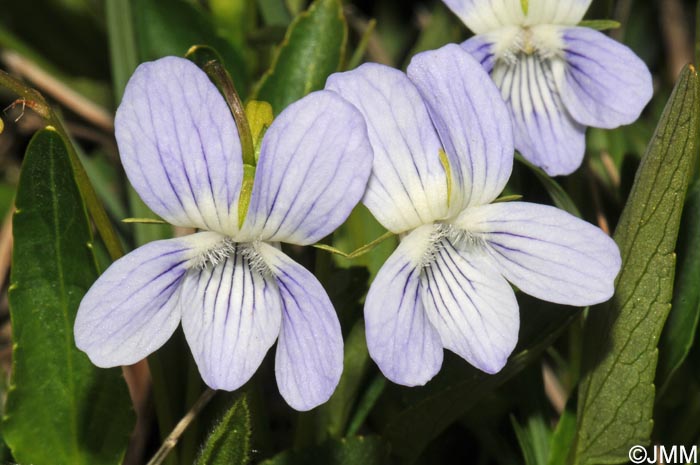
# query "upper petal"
(132, 309)
(471, 306)
(545, 132)
(562, 12)
(547, 252)
(179, 145)
(314, 164)
(309, 358)
(471, 119)
(603, 83)
(408, 185)
(231, 316)
(400, 338)
(486, 15)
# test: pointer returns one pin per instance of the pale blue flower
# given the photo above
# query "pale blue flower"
(443, 152)
(232, 288)
(557, 78)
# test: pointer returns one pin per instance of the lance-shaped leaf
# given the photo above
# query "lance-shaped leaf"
(616, 395)
(356, 450)
(313, 48)
(679, 332)
(60, 408)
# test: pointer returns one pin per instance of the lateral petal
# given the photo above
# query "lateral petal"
(231, 316)
(133, 307)
(408, 185)
(602, 83)
(471, 306)
(471, 120)
(545, 132)
(481, 47)
(314, 164)
(179, 145)
(400, 338)
(309, 358)
(547, 252)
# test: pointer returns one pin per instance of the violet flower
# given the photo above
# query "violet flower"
(557, 78)
(230, 285)
(443, 152)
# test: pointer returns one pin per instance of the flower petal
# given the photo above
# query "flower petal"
(179, 145)
(231, 314)
(309, 359)
(472, 122)
(603, 83)
(472, 307)
(546, 252)
(408, 186)
(401, 340)
(314, 164)
(481, 47)
(544, 131)
(486, 15)
(133, 308)
(562, 12)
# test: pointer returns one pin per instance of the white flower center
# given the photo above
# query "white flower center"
(514, 42)
(225, 248)
(460, 239)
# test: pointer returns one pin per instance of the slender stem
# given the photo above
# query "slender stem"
(222, 79)
(174, 436)
(359, 252)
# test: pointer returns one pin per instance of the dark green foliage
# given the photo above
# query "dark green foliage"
(61, 409)
(229, 442)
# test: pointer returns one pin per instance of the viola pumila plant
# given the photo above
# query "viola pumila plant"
(293, 232)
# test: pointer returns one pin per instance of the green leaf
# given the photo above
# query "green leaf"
(60, 408)
(351, 451)
(274, 12)
(458, 387)
(313, 48)
(563, 436)
(679, 331)
(534, 433)
(229, 442)
(334, 414)
(171, 27)
(442, 28)
(122, 44)
(600, 24)
(559, 196)
(616, 394)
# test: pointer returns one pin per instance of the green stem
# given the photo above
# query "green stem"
(172, 439)
(359, 252)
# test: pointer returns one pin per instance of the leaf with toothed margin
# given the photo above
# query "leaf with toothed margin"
(80, 414)
(616, 395)
(229, 441)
